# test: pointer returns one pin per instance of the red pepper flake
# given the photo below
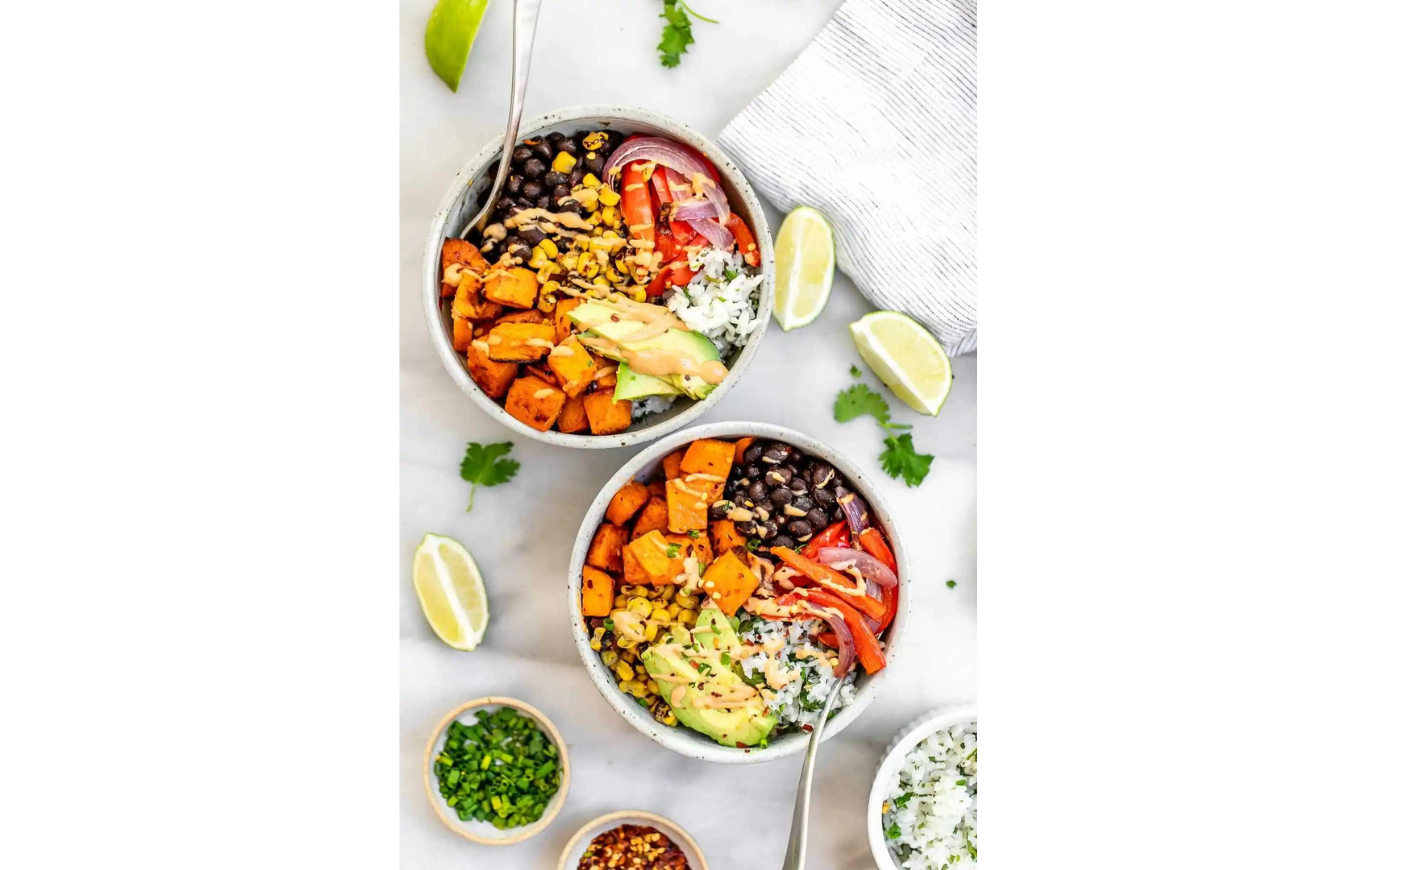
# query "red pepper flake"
(632, 847)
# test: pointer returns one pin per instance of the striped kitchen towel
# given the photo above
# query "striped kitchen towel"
(874, 126)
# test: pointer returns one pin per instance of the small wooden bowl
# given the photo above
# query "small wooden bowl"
(578, 843)
(484, 832)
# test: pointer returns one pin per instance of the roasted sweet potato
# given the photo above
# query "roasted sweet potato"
(520, 342)
(729, 582)
(535, 403)
(470, 303)
(562, 325)
(671, 464)
(572, 418)
(688, 504)
(529, 316)
(632, 575)
(572, 366)
(492, 376)
(657, 488)
(658, 559)
(698, 546)
(515, 287)
(709, 457)
(459, 251)
(605, 552)
(653, 518)
(606, 415)
(628, 500)
(724, 536)
(740, 446)
(598, 591)
(462, 333)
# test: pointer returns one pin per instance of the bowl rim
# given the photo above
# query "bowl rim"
(679, 834)
(438, 803)
(431, 285)
(907, 739)
(682, 740)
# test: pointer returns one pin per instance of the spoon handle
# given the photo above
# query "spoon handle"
(526, 20)
(798, 837)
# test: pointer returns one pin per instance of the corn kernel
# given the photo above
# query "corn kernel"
(619, 602)
(623, 685)
(590, 270)
(548, 301)
(608, 197)
(638, 294)
(623, 671)
(600, 281)
(611, 216)
(550, 287)
(595, 140)
(591, 181)
(623, 643)
(550, 250)
(640, 606)
(660, 616)
(564, 162)
(610, 657)
(687, 617)
(546, 272)
(685, 599)
(650, 630)
(595, 645)
(672, 610)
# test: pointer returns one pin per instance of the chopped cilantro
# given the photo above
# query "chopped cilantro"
(856, 372)
(694, 533)
(673, 550)
(900, 458)
(950, 583)
(893, 832)
(482, 466)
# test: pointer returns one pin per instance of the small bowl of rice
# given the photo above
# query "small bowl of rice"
(924, 804)
(727, 301)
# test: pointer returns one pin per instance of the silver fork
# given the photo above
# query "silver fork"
(526, 19)
(794, 858)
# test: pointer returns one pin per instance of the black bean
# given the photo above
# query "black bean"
(837, 515)
(524, 202)
(555, 138)
(798, 485)
(770, 529)
(781, 475)
(560, 191)
(824, 497)
(753, 452)
(781, 496)
(720, 509)
(799, 528)
(757, 491)
(553, 179)
(575, 177)
(817, 517)
(736, 472)
(753, 472)
(516, 248)
(513, 183)
(532, 189)
(775, 454)
(595, 164)
(531, 235)
(544, 201)
(783, 541)
(505, 204)
(802, 503)
(534, 167)
(822, 474)
(542, 149)
(569, 204)
(570, 146)
(520, 154)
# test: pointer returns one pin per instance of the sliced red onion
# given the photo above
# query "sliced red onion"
(665, 152)
(873, 591)
(856, 514)
(866, 564)
(692, 209)
(714, 233)
(846, 647)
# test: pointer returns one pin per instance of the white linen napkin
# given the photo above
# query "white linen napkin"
(874, 126)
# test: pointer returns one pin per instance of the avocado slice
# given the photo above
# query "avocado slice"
(596, 317)
(632, 385)
(746, 725)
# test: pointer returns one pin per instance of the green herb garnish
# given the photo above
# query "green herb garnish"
(752, 544)
(950, 583)
(903, 799)
(694, 533)
(961, 782)
(900, 458)
(482, 466)
(501, 770)
(894, 831)
(856, 372)
(676, 36)
(673, 550)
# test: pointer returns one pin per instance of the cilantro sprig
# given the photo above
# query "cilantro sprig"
(676, 36)
(482, 466)
(900, 458)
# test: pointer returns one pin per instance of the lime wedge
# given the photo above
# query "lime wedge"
(907, 359)
(449, 34)
(452, 593)
(805, 258)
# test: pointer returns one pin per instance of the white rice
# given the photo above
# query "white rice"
(725, 309)
(652, 405)
(931, 814)
(799, 701)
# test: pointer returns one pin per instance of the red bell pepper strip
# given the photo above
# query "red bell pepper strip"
(868, 648)
(636, 203)
(872, 541)
(744, 239)
(673, 274)
(827, 638)
(834, 535)
(839, 584)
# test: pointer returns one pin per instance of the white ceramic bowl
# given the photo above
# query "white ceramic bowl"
(461, 203)
(646, 465)
(919, 729)
(573, 852)
(483, 832)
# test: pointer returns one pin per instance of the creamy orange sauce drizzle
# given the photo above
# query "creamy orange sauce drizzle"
(568, 219)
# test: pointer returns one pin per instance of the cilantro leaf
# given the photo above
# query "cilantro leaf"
(860, 399)
(900, 459)
(482, 465)
(673, 550)
(675, 35)
(856, 372)
(950, 584)
(893, 832)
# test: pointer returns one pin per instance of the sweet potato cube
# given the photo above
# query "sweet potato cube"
(698, 546)
(658, 559)
(470, 303)
(628, 500)
(605, 552)
(672, 464)
(562, 324)
(653, 518)
(598, 588)
(573, 418)
(572, 366)
(657, 488)
(492, 376)
(632, 575)
(459, 251)
(515, 287)
(740, 446)
(729, 582)
(606, 415)
(520, 342)
(688, 504)
(708, 456)
(725, 536)
(535, 403)
(462, 333)
(530, 316)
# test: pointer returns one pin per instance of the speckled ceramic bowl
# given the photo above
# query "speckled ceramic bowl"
(919, 728)
(646, 465)
(578, 843)
(462, 201)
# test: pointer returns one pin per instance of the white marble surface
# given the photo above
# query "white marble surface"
(521, 533)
